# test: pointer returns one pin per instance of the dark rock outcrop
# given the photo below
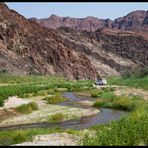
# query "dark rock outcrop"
(145, 21)
(110, 50)
(28, 48)
(80, 49)
(130, 21)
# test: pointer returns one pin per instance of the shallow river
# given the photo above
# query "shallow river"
(102, 117)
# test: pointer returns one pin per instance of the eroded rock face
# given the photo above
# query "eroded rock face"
(28, 48)
(78, 50)
(110, 50)
(111, 46)
(127, 44)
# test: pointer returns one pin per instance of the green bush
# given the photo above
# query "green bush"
(118, 102)
(8, 137)
(42, 93)
(27, 108)
(108, 95)
(123, 103)
(103, 103)
(55, 118)
(50, 91)
(19, 136)
(100, 103)
(94, 93)
(57, 98)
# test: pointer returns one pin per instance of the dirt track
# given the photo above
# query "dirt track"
(124, 90)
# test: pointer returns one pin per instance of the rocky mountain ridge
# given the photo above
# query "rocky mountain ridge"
(132, 21)
(28, 47)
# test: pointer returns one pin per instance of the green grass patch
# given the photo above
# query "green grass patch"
(55, 118)
(19, 90)
(108, 89)
(72, 131)
(102, 103)
(31, 79)
(57, 98)
(119, 102)
(94, 93)
(38, 85)
(10, 137)
(27, 108)
(125, 103)
(105, 93)
(137, 82)
(131, 130)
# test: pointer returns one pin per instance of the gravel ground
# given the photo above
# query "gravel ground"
(56, 139)
(132, 91)
(14, 101)
(125, 90)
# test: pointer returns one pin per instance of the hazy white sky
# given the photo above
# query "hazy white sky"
(101, 10)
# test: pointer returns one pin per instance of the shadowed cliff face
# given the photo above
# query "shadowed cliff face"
(111, 51)
(145, 21)
(127, 44)
(28, 48)
(112, 46)
(131, 20)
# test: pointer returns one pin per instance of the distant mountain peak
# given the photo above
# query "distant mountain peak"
(53, 15)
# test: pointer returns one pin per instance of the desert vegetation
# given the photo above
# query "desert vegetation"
(18, 136)
(30, 98)
(27, 108)
(34, 85)
(55, 118)
(129, 130)
(137, 77)
(55, 99)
